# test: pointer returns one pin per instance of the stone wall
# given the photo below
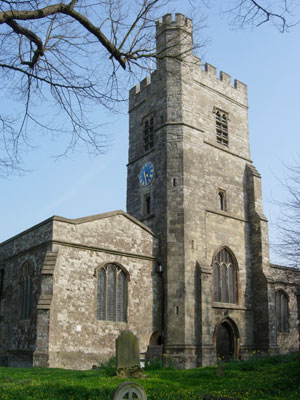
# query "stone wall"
(63, 330)
(77, 339)
(18, 337)
(288, 280)
(191, 167)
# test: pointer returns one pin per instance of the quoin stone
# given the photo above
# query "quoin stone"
(186, 269)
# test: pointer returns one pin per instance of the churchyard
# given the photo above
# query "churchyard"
(276, 378)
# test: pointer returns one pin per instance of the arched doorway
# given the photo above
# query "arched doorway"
(226, 340)
(155, 348)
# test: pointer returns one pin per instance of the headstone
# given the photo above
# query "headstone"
(130, 391)
(220, 370)
(128, 355)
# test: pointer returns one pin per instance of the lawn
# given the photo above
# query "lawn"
(269, 378)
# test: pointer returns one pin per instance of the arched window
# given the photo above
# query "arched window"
(26, 291)
(222, 199)
(281, 307)
(112, 294)
(225, 277)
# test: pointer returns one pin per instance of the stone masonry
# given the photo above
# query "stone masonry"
(202, 198)
(191, 167)
(63, 331)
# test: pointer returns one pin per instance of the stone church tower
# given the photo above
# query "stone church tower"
(186, 268)
(191, 180)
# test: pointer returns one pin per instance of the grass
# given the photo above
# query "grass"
(276, 378)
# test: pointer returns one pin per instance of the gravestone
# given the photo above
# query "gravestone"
(220, 370)
(128, 355)
(130, 391)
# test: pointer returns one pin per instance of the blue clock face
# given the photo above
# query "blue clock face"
(146, 174)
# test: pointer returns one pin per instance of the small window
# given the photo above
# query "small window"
(112, 294)
(225, 277)
(147, 204)
(281, 307)
(26, 291)
(222, 200)
(148, 133)
(222, 128)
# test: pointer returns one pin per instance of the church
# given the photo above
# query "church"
(187, 266)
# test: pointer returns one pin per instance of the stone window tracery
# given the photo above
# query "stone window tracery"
(112, 294)
(222, 127)
(281, 307)
(225, 277)
(26, 291)
(148, 133)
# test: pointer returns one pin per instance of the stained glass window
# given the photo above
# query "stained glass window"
(225, 277)
(281, 307)
(112, 294)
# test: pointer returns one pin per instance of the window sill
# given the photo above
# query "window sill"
(228, 306)
(25, 321)
(145, 217)
(113, 323)
(145, 154)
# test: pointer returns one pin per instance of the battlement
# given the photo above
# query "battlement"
(225, 78)
(167, 22)
(142, 89)
(204, 74)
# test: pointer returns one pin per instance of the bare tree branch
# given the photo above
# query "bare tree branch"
(282, 13)
(69, 55)
(288, 224)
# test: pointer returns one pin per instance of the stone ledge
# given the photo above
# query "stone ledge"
(226, 214)
(219, 147)
(229, 306)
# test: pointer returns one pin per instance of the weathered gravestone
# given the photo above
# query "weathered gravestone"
(128, 355)
(130, 391)
(220, 370)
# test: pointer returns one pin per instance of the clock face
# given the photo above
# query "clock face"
(146, 174)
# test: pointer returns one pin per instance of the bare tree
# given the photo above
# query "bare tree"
(282, 13)
(288, 226)
(63, 57)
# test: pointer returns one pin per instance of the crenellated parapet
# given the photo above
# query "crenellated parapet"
(170, 43)
(207, 75)
(141, 91)
(180, 22)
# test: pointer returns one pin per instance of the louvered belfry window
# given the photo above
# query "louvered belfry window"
(281, 307)
(26, 291)
(222, 128)
(225, 277)
(148, 133)
(112, 294)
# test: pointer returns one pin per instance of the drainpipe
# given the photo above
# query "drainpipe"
(160, 270)
(298, 306)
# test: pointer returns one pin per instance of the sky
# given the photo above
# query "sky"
(78, 185)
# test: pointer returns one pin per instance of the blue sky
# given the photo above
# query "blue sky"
(266, 60)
